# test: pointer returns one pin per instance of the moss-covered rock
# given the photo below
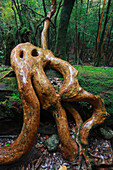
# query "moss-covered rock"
(8, 85)
(10, 102)
(99, 81)
(52, 142)
(106, 132)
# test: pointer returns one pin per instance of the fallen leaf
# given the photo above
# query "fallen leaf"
(73, 129)
(42, 149)
(39, 145)
(63, 167)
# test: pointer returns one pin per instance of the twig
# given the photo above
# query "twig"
(86, 32)
(31, 10)
(39, 161)
(43, 1)
(6, 74)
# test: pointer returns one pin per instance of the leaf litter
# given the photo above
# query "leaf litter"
(99, 148)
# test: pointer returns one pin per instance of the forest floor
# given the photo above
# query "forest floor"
(40, 158)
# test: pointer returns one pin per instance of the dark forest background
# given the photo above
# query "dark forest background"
(81, 31)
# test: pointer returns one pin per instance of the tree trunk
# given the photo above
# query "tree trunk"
(63, 26)
(76, 40)
(103, 32)
(97, 59)
(108, 54)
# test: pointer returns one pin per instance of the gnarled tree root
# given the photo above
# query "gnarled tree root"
(83, 153)
(28, 62)
(24, 142)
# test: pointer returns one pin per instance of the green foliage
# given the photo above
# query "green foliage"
(1, 56)
(7, 15)
(22, 21)
(7, 106)
(6, 145)
(16, 96)
(83, 29)
(19, 21)
(24, 30)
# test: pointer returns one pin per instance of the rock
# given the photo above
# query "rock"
(52, 142)
(107, 132)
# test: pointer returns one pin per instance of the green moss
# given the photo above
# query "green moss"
(51, 73)
(8, 105)
(99, 81)
(4, 70)
(9, 83)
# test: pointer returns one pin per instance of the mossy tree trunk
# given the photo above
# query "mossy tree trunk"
(60, 49)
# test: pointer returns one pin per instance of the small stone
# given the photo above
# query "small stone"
(52, 142)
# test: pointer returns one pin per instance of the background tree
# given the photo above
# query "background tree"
(100, 36)
(63, 26)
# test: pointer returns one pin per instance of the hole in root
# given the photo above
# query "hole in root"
(34, 53)
(21, 54)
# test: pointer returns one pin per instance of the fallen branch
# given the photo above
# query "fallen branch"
(6, 74)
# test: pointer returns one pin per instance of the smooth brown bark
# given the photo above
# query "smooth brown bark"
(46, 25)
(28, 62)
